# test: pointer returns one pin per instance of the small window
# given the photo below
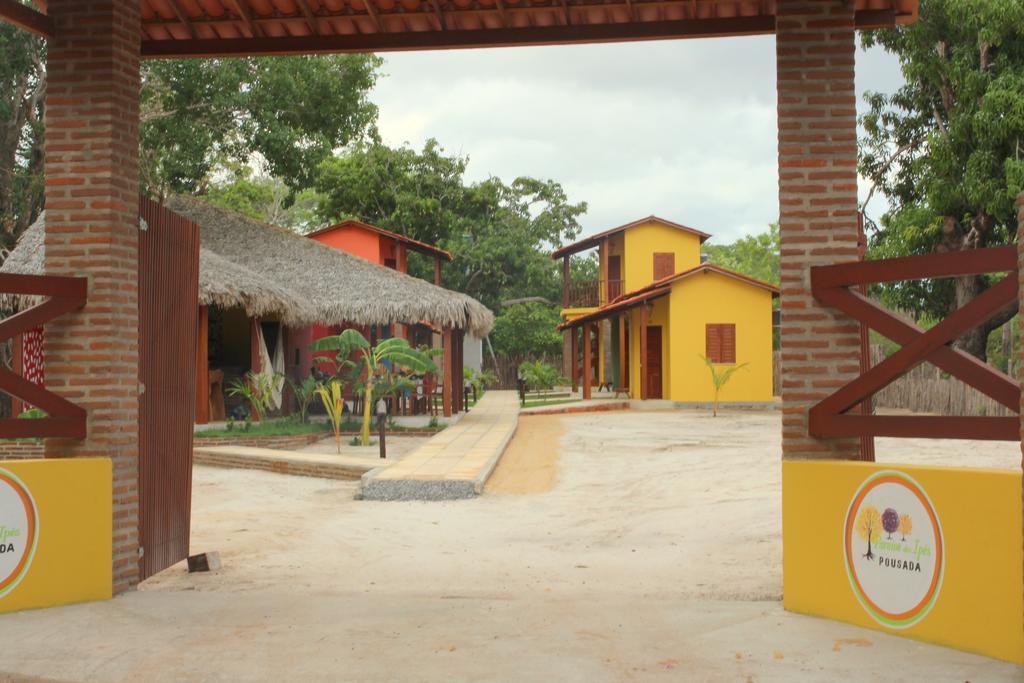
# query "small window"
(664, 264)
(720, 342)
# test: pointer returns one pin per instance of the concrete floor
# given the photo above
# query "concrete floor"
(655, 555)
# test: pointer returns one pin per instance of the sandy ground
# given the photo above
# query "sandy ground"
(654, 555)
(529, 464)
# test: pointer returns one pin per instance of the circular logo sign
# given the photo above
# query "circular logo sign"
(19, 531)
(892, 542)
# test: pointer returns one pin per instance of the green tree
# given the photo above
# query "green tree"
(197, 117)
(293, 112)
(527, 330)
(756, 256)
(22, 101)
(266, 199)
(500, 234)
(947, 148)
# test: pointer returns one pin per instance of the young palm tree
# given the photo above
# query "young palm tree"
(389, 357)
(334, 404)
(719, 378)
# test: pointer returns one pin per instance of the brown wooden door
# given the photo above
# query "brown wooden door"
(614, 276)
(168, 319)
(653, 361)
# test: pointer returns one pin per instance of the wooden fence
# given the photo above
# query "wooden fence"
(925, 389)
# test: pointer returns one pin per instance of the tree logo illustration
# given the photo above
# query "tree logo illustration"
(869, 527)
(893, 548)
(906, 526)
(890, 521)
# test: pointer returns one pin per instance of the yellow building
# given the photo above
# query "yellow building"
(656, 309)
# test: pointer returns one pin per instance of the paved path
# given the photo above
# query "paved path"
(455, 463)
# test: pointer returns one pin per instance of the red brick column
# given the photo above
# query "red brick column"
(818, 208)
(92, 222)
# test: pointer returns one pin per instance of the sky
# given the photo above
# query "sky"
(681, 129)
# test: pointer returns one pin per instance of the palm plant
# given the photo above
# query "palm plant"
(334, 403)
(720, 376)
(384, 362)
(257, 389)
(304, 393)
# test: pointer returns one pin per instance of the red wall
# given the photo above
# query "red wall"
(354, 240)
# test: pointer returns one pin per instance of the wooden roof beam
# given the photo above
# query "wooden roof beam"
(254, 30)
(372, 11)
(442, 24)
(183, 18)
(26, 18)
(307, 12)
(501, 12)
(463, 38)
(565, 12)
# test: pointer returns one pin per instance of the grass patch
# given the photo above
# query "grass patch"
(289, 427)
(283, 427)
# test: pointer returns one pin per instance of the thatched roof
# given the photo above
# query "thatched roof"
(273, 272)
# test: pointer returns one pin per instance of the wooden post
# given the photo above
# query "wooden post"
(437, 271)
(623, 356)
(447, 376)
(565, 281)
(203, 366)
(575, 334)
(255, 353)
(18, 367)
(588, 371)
(643, 352)
(255, 356)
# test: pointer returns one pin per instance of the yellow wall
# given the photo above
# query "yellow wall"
(979, 603)
(72, 561)
(713, 298)
(659, 315)
(642, 241)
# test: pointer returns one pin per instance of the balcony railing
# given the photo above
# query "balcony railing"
(587, 293)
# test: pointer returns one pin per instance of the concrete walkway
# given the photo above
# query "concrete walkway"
(455, 463)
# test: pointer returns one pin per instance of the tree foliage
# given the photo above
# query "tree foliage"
(527, 329)
(197, 117)
(293, 112)
(22, 101)
(754, 255)
(947, 148)
(500, 233)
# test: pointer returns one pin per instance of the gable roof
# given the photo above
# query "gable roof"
(415, 245)
(660, 288)
(594, 240)
(702, 268)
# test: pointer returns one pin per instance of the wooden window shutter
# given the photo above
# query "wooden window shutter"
(664, 264)
(728, 343)
(720, 342)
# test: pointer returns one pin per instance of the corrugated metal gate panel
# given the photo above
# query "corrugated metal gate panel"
(168, 316)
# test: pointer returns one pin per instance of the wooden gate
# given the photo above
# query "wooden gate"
(834, 286)
(168, 319)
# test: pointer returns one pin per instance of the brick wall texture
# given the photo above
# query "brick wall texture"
(92, 204)
(817, 123)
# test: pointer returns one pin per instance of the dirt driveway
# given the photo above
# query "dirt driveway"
(649, 549)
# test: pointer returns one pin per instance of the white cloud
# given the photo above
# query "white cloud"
(682, 129)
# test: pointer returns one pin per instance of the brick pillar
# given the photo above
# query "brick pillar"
(818, 208)
(92, 219)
